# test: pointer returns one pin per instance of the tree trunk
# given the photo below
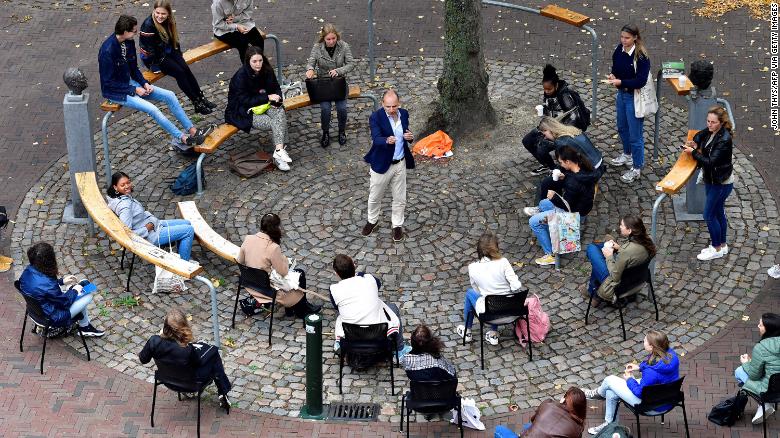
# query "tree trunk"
(463, 104)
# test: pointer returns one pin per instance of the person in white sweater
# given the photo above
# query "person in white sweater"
(491, 275)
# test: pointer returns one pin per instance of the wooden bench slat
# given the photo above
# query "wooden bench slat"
(565, 15)
(681, 91)
(152, 77)
(206, 235)
(96, 205)
(681, 172)
(216, 138)
(108, 106)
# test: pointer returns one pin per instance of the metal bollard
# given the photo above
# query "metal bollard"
(313, 408)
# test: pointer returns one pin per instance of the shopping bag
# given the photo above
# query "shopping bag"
(645, 103)
(564, 229)
(166, 281)
(471, 414)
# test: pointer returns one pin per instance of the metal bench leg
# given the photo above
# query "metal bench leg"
(198, 170)
(373, 99)
(45, 338)
(24, 327)
(106, 153)
(154, 400)
(214, 317)
(653, 229)
(130, 273)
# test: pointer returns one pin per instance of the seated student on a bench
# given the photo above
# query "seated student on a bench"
(143, 223)
(121, 82)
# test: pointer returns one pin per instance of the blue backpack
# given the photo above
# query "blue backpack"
(187, 181)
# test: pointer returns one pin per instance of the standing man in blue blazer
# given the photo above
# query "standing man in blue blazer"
(389, 158)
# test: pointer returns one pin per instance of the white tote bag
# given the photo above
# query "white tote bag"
(166, 281)
(645, 103)
(471, 414)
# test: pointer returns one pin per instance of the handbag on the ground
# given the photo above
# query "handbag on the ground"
(728, 411)
(326, 89)
(248, 164)
(645, 103)
(166, 281)
(564, 230)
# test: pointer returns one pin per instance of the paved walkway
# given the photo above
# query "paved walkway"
(99, 396)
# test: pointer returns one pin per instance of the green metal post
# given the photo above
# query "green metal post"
(313, 408)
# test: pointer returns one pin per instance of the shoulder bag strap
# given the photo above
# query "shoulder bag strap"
(564, 201)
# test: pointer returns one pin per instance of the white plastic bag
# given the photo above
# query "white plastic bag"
(166, 281)
(471, 414)
(288, 282)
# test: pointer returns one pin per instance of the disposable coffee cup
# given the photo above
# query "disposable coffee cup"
(556, 174)
(540, 110)
(608, 244)
(683, 81)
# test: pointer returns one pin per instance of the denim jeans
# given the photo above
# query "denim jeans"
(341, 113)
(741, 376)
(469, 307)
(598, 263)
(168, 98)
(538, 223)
(176, 230)
(715, 211)
(614, 388)
(630, 129)
(80, 306)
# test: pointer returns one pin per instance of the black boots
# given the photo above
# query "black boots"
(208, 103)
(200, 106)
(342, 138)
(325, 141)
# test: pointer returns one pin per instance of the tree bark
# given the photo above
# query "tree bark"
(463, 104)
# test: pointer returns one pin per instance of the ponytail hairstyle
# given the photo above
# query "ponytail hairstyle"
(723, 117)
(550, 75)
(568, 153)
(177, 328)
(167, 30)
(659, 345)
(111, 191)
(271, 225)
(639, 233)
(640, 49)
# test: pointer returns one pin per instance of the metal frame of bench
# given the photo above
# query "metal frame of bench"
(118, 231)
(554, 12)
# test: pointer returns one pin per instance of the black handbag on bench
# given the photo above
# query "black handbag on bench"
(326, 89)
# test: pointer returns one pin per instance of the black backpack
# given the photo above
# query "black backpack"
(727, 412)
(584, 112)
(187, 181)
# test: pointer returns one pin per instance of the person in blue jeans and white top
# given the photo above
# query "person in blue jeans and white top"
(491, 275)
(40, 281)
(660, 366)
(575, 181)
(145, 224)
(121, 82)
(630, 69)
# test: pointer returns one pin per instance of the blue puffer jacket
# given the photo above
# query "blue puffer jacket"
(659, 372)
(46, 291)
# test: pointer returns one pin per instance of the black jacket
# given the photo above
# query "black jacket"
(168, 351)
(153, 48)
(577, 189)
(248, 90)
(561, 101)
(715, 158)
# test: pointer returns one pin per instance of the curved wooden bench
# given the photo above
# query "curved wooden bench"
(681, 172)
(206, 235)
(565, 15)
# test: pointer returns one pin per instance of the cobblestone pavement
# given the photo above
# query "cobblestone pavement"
(33, 142)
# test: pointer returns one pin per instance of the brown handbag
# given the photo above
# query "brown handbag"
(249, 164)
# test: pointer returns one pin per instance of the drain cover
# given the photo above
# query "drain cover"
(353, 411)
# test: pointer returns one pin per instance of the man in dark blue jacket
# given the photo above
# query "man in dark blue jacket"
(389, 158)
(122, 82)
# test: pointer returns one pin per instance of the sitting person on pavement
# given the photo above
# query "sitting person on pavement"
(571, 189)
(121, 82)
(252, 86)
(564, 419)
(356, 300)
(492, 274)
(145, 224)
(753, 376)
(558, 100)
(609, 259)
(263, 251)
(41, 282)
(174, 346)
(425, 362)
(661, 365)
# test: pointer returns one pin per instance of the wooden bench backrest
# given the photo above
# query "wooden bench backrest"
(206, 235)
(678, 176)
(96, 205)
(565, 15)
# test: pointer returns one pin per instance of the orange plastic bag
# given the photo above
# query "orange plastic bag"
(435, 145)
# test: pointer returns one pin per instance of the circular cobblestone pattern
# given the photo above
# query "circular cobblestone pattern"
(83, 5)
(322, 202)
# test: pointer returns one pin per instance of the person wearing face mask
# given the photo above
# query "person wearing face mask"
(253, 85)
(161, 52)
(558, 100)
(331, 57)
(141, 222)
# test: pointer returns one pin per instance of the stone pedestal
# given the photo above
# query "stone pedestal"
(81, 151)
(692, 207)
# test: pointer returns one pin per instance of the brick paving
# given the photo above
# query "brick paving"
(28, 162)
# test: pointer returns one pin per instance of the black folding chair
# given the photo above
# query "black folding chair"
(632, 278)
(368, 340)
(430, 397)
(35, 313)
(658, 400)
(179, 379)
(502, 310)
(257, 280)
(771, 395)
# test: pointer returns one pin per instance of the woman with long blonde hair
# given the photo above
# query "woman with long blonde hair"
(161, 52)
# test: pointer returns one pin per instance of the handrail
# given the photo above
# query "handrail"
(279, 75)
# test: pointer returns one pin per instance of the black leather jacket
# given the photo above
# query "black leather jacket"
(561, 101)
(153, 48)
(714, 159)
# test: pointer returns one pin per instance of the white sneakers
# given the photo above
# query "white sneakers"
(760, 414)
(774, 271)
(631, 175)
(530, 211)
(710, 253)
(596, 429)
(491, 337)
(622, 159)
(282, 160)
(461, 329)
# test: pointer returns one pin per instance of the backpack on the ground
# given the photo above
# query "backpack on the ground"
(614, 428)
(248, 164)
(540, 322)
(728, 411)
(584, 120)
(187, 181)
